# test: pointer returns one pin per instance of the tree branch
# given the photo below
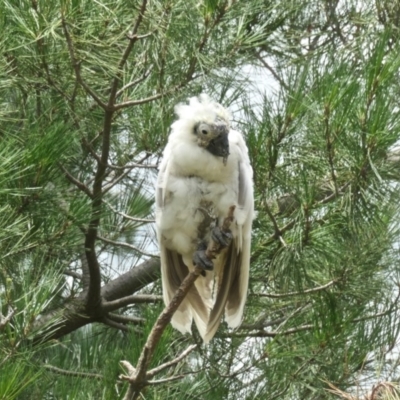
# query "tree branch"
(60, 371)
(263, 333)
(127, 246)
(118, 179)
(132, 281)
(138, 379)
(114, 324)
(289, 294)
(166, 380)
(128, 300)
(131, 166)
(135, 82)
(80, 185)
(73, 274)
(72, 315)
(133, 37)
(126, 319)
(168, 364)
(76, 67)
(149, 99)
(271, 70)
(126, 216)
(278, 233)
(93, 295)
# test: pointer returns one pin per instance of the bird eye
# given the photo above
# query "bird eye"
(204, 132)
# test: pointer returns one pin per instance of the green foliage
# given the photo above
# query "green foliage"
(314, 87)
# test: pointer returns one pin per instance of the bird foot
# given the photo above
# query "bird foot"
(201, 260)
(222, 237)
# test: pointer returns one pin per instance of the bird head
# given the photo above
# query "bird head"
(213, 137)
(208, 124)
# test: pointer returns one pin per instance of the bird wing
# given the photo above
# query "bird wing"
(173, 272)
(233, 264)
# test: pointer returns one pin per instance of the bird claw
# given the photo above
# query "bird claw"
(201, 260)
(222, 237)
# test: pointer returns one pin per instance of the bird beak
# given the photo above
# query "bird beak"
(219, 146)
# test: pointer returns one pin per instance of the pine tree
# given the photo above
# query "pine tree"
(87, 96)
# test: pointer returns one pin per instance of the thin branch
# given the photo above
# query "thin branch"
(60, 371)
(128, 300)
(126, 216)
(278, 233)
(89, 147)
(288, 226)
(288, 203)
(244, 369)
(289, 294)
(331, 15)
(154, 381)
(149, 99)
(133, 37)
(262, 333)
(135, 82)
(168, 364)
(76, 66)
(118, 179)
(165, 380)
(132, 165)
(74, 274)
(126, 319)
(127, 246)
(374, 316)
(157, 96)
(45, 66)
(280, 394)
(206, 34)
(261, 324)
(116, 325)
(272, 70)
(332, 196)
(93, 298)
(91, 236)
(128, 366)
(80, 185)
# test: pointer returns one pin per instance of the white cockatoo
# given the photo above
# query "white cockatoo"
(205, 170)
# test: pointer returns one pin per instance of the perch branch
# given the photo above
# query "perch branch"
(139, 378)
